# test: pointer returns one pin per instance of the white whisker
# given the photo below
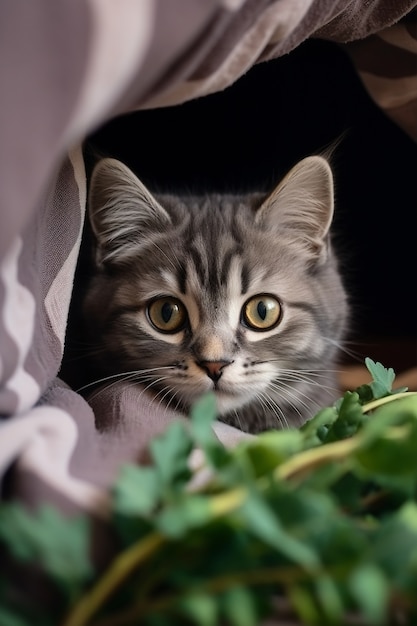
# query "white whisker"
(288, 390)
(291, 379)
(134, 377)
(172, 398)
(344, 348)
(308, 372)
(124, 376)
(269, 405)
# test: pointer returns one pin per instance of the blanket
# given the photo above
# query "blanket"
(66, 68)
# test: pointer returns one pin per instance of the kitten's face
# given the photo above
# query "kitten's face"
(232, 294)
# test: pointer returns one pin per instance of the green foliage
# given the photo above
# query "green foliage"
(322, 518)
(58, 545)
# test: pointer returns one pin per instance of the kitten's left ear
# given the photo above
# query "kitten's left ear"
(301, 207)
(122, 211)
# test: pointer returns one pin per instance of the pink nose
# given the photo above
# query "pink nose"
(213, 369)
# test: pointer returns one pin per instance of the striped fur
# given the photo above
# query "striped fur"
(213, 254)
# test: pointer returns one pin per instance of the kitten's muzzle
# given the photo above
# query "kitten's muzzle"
(213, 369)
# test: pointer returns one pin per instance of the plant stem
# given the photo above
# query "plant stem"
(338, 450)
(229, 501)
(117, 572)
(396, 396)
(259, 577)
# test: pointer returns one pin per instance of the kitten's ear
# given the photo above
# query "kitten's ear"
(301, 207)
(121, 210)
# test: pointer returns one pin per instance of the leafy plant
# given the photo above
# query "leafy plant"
(319, 523)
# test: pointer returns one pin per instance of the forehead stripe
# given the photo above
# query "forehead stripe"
(225, 266)
(199, 265)
(182, 278)
(244, 277)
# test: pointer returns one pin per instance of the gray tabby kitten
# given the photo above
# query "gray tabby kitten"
(239, 295)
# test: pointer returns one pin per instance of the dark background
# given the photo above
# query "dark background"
(249, 135)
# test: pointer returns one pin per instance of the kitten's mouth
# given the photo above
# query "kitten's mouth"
(221, 388)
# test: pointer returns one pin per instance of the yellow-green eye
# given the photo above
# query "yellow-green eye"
(262, 312)
(167, 314)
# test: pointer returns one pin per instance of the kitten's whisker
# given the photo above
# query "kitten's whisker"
(270, 405)
(124, 376)
(352, 353)
(239, 421)
(287, 397)
(328, 388)
(260, 399)
(287, 389)
(305, 376)
(172, 398)
(309, 372)
(295, 394)
(279, 411)
(104, 388)
(148, 386)
(167, 389)
(179, 402)
(133, 378)
(83, 355)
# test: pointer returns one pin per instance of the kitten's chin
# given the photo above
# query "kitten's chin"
(227, 402)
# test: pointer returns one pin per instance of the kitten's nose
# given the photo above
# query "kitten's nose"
(213, 369)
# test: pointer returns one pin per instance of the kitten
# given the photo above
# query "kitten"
(235, 294)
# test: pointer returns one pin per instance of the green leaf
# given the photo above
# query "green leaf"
(382, 378)
(268, 450)
(203, 413)
(304, 604)
(370, 590)
(170, 452)
(187, 512)
(137, 491)
(315, 429)
(201, 607)
(365, 393)
(60, 545)
(394, 549)
(348, 489)
(10, 618)
(389, 443)
(239, 607)
(408, 517)
(263, 522)
(349, 419)
(329, 598)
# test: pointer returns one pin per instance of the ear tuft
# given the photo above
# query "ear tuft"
(121, 210)
(301, 206)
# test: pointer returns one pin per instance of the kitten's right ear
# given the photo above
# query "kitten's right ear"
(301, 207)
(121, 210)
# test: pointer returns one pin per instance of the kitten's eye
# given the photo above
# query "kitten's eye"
(262, 312)
(167, 315)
